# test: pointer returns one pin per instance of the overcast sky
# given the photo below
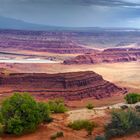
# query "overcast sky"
(74, 13)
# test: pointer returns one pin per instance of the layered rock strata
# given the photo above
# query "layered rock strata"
(71, 86)
(107, 56)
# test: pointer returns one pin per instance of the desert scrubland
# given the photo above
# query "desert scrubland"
(84, 68)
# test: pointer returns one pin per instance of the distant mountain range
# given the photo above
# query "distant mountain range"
(11, 23)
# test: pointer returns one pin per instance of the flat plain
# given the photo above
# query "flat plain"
(125, 74)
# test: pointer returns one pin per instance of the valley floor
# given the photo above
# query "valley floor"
(125, 74)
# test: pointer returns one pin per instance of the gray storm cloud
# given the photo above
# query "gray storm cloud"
(108, 13)
(79, 2)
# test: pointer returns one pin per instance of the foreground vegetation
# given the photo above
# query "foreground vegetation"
(122, 123)
(20, 113)
(57, 106)
(82, 124)
(89, 106)
(132, 98)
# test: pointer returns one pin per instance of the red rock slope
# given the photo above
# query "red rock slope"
(71, 86)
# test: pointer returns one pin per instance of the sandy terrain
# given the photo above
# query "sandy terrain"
(83, 114)
(130, 137)
(125, 74)
(97, 103)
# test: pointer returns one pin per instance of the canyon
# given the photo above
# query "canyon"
(52, 42)
(82, 67)
(70, 47)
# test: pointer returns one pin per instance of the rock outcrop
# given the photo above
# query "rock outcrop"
(53, 42)
(71, 86)
(132, 52)
(107, 56)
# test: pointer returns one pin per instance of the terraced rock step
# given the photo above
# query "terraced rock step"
(71, 86)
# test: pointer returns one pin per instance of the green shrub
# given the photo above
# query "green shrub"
(100, 138)
(82, 124)
(123, 122)
(132, 98)
(57, 135)
(1, 129)
(57, 106)
(21, 114)
(1, 117)
(89, 106)
(44, 112)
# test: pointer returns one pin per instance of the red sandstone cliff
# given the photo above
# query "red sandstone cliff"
(71, 86)
(107, 56)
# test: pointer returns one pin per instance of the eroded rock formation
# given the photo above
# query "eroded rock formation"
(71, 86)
(107, 56)
(53, 42)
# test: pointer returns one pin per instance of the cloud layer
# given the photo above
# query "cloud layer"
(130, 3)
(74, 12)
